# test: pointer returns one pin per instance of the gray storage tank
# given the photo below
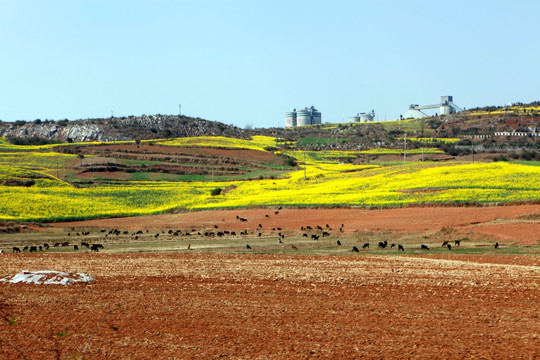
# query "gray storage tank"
(316, 116)
(303, 117)
(367, 117)
(354, 119)
(290, 118)
(307, 116)
(362, 117)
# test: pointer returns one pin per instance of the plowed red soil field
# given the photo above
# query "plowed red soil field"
(186, 306)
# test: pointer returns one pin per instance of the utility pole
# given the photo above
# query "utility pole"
(305, 166)
(405, 149)
(472, 150)
(179, 110)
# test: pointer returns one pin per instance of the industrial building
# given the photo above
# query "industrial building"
(446, 107)
(308, 116)
(362, 117)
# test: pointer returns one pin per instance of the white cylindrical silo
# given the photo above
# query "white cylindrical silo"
(290, 119)
(303, 117)
(316, 117)
(367, 117)
(363, 117)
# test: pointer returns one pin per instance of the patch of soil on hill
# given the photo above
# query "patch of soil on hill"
(528, 233)
(173, 160)
(15, 182)
(171, 153)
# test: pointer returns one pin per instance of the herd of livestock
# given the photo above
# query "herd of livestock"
(314, 233)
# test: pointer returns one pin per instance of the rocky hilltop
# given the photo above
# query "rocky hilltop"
(120, 128)
(516, 129)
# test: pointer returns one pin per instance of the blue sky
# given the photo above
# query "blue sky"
(248, 62)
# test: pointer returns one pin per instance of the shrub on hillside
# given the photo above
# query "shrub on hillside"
(289, 161)
(34, 140)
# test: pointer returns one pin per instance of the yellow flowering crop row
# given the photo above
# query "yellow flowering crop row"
(35, 159)
(392, 186)
(257, 142)
(41, 178)
(324, 185)
(65, 203)
(5, 145)
(384, 151)
(440, 140)
(510, 109)
(319, 157)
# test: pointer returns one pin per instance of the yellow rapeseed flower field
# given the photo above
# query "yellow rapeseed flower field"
(383, 151)
(432, 140)
(368, 186)
(321, 182)
(257, 142)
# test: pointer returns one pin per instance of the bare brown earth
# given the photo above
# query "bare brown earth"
(109, 160)
(187, 306)
(512, 224)
(146, 150)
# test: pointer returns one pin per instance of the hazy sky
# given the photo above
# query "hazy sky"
(248, 62)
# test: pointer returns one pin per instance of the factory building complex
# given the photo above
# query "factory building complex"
(446, 107)
(308, 116)
(311, 116)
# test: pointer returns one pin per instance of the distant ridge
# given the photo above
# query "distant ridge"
(490, 128)
(121, 128)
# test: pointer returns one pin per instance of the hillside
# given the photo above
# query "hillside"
(89, 180)
(119, 128)
(491, 129)
(166, 164)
